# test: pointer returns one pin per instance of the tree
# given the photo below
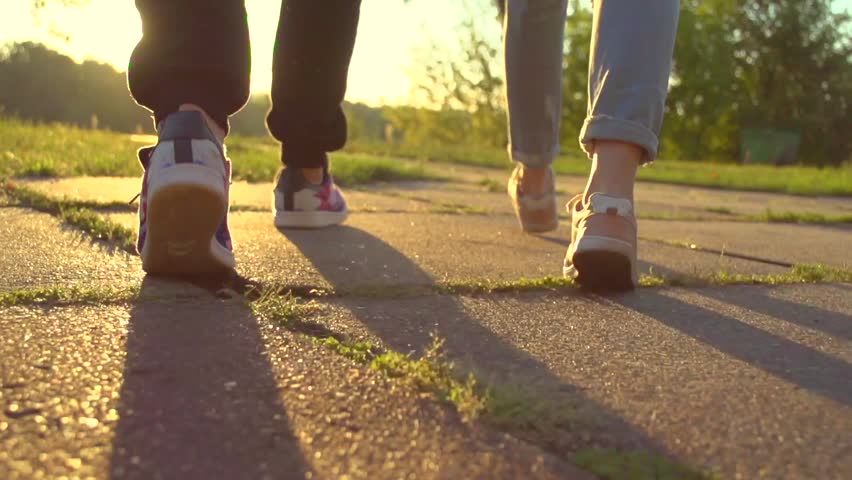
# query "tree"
(463, 84)
(39, 84)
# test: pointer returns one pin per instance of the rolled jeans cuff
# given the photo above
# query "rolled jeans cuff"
(534, 160)
(603, 127)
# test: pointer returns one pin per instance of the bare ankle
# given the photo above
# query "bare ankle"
(614, 167)
(535, 180)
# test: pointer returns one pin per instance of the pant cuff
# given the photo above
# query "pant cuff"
(534, 160)
(301, 157)
(603, 127)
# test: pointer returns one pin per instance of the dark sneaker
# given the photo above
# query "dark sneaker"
(183, 211)
(602, 253)
(301, 204)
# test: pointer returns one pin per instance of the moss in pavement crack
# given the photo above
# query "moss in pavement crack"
(73, 213)
(68, 296)
(616, 465)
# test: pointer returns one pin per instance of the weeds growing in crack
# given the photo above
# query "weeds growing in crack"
(68, 296)
(284, 309)
(616, 465)
(72, 213)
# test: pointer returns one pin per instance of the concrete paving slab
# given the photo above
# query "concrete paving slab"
(651, 198)
(39, 251)
(650, 195)
(243, 194)
(201, 389)
(411, 249)
(780, 242)
(748, 382)
(476, 196)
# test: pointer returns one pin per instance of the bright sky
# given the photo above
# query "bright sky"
(107, 30)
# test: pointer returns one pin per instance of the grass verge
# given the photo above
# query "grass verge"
(72, 213)
(806, 181)
(68, 296)
(615, 465)
(805, 218)
(55, 150)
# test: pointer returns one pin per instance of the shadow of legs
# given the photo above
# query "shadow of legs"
(346, 255)
(790, 361)
(199, 399)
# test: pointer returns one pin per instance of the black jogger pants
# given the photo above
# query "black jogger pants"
(197, 51)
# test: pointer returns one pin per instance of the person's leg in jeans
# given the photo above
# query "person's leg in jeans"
(312, 52)
(629, 68)
(533, 36)
(191, 68)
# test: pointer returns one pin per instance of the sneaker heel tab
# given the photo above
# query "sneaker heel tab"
(186, 124)
(601, 203)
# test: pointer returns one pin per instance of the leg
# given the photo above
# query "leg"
(629, 70)
(194, 55)
(191, 52)
(313, 48)
(312, 52)
(533, 35)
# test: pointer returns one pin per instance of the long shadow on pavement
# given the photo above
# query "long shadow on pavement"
(333, 252)
(785, 359)
(199, 399)
(756, 299)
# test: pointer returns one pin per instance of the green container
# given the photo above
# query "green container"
(769, 147)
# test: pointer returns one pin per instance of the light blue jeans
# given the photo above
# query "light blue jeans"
(629, 68)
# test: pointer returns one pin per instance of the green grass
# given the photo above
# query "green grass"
(807, 181)
(62, 151)
(56, 150)
(720, 210)
(70, 212)
(771, 216)
(451, 208)
(492, 185)
(768, 216)
(68, 296)
(615, 465)
(798, 274)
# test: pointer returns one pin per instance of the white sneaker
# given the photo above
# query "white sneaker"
(301, 204)
(602, 254)
(183, 211)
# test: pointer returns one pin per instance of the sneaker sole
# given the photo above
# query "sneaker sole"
(600, 270)
(309, 220)
(182, 222)
(602, 264)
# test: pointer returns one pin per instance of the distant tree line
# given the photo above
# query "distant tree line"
(39, 84)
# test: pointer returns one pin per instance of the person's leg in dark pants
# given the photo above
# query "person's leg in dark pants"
(313, 48)
(191, 52)
(191, 68)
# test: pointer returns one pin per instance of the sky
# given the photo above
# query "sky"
(388, 33)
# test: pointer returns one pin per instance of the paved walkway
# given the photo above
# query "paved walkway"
(743, 381)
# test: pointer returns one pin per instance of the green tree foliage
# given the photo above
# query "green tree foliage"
(782, 64)
(779, 64)
(39, 84)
